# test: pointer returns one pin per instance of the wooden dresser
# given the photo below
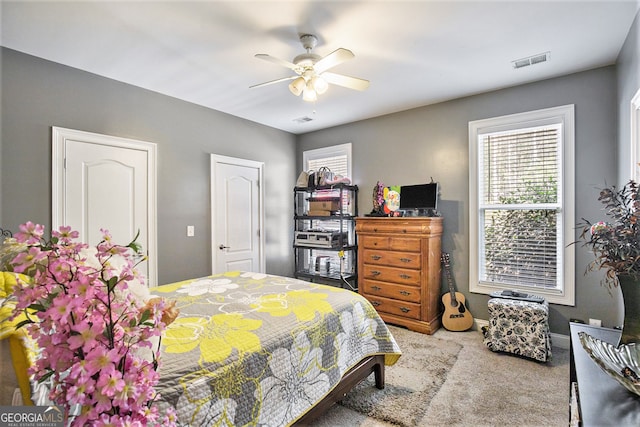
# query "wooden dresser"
(399, 269)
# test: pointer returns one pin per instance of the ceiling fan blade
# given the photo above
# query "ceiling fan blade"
(284, 79)
(336, 57)
(346, 81)
(277, 61)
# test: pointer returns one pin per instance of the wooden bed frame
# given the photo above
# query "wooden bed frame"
(349, 380)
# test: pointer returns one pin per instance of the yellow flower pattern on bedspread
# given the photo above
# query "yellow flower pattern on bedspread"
(253, 349)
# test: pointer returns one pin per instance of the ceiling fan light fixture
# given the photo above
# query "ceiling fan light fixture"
(312, 77)
(297, 86)
(320, 85)
(309, 94)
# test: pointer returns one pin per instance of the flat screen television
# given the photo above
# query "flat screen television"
(423, 197)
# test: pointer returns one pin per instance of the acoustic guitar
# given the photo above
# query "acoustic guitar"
(456, 316)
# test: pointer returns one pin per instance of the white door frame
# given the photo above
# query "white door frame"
(635, 137)
(217, 159)
(60, 136)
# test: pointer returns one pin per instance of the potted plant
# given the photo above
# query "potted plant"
(97, 334)
(616, 246)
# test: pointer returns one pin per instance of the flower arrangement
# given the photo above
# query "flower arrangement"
(95, 334)
(616, 243)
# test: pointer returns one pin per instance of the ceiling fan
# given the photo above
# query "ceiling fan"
(312, 78)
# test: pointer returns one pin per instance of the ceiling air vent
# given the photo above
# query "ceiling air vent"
(531, 60)
(304, 119)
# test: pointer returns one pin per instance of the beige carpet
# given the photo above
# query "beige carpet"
(452, 379)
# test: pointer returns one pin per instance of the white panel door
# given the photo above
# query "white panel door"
(236, 210)
(105, 184)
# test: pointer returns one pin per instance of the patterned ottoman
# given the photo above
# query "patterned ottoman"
(519, 327)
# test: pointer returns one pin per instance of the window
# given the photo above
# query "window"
(337, 158)
(522, 204)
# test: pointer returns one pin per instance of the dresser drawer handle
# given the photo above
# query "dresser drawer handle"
(404, 230)
(375, 273)
(375, 303)
(405, 276)
(375, 257)
(405, 293)
(375, 230)
(376, 288)
(405, 259)
(405, 309)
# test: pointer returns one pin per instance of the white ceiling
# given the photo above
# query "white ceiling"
(414, 53)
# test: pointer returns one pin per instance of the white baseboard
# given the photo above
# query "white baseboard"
(557, 340)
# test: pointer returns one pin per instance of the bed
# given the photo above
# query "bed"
(255, 349)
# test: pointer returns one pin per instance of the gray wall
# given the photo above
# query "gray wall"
(412, 146)
(38, 94)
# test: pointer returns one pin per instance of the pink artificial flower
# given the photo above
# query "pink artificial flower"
(30, 233)
(110, 382)
(25, 260)
(100, 359)
(65, 234)
(86, 337)
(60, 309)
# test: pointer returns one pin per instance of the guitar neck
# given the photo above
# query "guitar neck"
(447, 269)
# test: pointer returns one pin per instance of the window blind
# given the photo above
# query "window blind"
(337, 164)
(519, 207)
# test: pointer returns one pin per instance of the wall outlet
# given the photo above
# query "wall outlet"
(191, 230)
(595, 322)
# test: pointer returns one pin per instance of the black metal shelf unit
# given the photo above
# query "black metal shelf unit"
(324, 241)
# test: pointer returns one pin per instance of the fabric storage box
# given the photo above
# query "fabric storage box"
(519, 327)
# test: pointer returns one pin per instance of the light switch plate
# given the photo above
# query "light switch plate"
(191, 230)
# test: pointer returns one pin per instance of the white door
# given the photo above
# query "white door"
(103, 182)
(237, 241)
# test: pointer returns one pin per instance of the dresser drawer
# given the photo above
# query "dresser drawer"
(393, 226)
(390, 243)
(391, 274)
(391, 306)
(391, 258)
(390, 290)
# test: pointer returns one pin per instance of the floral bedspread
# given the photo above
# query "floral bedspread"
(254, 349)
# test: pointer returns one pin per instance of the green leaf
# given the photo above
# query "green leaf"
(37, 307)
(146, 315)
(111, 284)
(23, 323)
(46, 376)
(137, 247)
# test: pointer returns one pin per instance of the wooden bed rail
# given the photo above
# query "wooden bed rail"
(353, 376)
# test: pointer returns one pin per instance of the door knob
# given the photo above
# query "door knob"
(222, 246)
